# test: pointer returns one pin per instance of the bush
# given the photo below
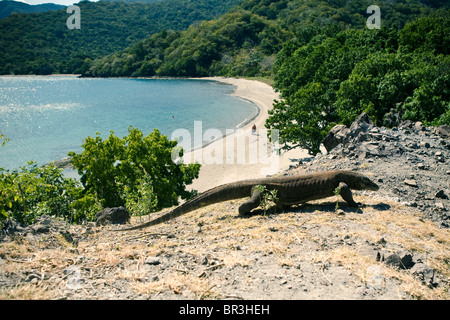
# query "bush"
(34, 191)
(115, 169)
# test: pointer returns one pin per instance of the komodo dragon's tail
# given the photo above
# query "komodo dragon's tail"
(218, 194)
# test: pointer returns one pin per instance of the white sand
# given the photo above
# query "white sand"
(224, 169)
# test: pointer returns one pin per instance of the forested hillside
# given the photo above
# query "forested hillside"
(8, 7)
(244, 42)
(390, 74)
(42, 43)
(328, 66)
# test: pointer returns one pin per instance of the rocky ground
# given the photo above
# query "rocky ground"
(395, 246)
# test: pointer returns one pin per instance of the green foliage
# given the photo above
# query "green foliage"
(237, 43)
(332, 78)
(34, 191)
(143, 200)
(267, 197)
(244, 42)
(85, 207)
(41, 43)
(427, 34)
(135, 171)
(114, 168)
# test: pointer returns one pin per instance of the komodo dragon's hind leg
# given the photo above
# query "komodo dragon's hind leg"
(250, 204)
(346, 194)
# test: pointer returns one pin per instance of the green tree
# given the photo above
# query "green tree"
(115, 167)
(334, 77)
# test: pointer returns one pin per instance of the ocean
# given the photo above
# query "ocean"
(45, 117)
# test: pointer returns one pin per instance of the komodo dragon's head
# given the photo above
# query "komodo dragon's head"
(361, 182)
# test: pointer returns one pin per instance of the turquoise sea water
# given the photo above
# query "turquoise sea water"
(46, 117)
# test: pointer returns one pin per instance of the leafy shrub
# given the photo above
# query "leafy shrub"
(116, 168)
(34, 191)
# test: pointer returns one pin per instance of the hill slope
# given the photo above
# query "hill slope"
(245, 42)
(9, 7)
(42, 43)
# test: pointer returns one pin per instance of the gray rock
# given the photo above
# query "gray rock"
(360, 127)
(391, 119)
(116, 215)
(43, 220)
(424, 144)
(411, 183)
(335, 137)
(153, 261)
(419, 126)
(40, 228)
(441, 194)
(439, 205)
(424, 273)
(401, 261)
(443, 131)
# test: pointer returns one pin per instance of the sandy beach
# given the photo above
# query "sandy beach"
(233, 157)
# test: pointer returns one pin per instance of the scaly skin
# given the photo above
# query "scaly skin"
(291, 190)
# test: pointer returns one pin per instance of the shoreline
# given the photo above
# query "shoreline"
(229, 170)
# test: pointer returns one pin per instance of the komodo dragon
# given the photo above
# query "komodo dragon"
(291, 190)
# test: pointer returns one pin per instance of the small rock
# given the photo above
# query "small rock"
(440, 205)
(378, 258)
(153, 261)
(411, 183)
(424, 144)
(273, 229)
(74, 250)
(443, 131)
(441, 194)
(40, 228)
(424, 273)
(402, 261)
(421, 166)
(44, 220)
(419, 126)
(33, 278)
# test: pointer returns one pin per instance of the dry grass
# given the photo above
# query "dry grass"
(177, 282)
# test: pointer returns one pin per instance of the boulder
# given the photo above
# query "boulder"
(424, 274)
(360, 127)
(357, 132)
(116, 215)
(402, 260)
(335, 136)
(443, 131)
(391, 119)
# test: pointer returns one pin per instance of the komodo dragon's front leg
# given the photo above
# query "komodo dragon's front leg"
(346, 194)
(250, 204)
